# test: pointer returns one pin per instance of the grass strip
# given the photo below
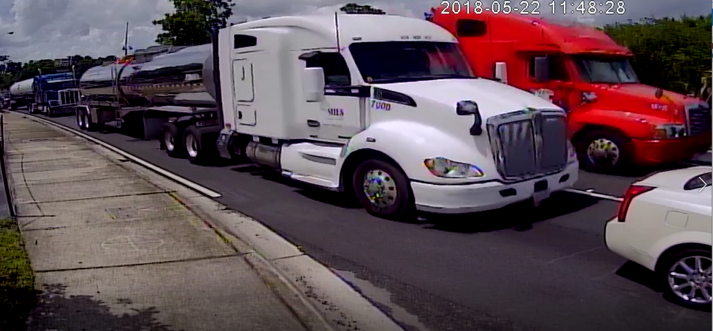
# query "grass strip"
(17, 281)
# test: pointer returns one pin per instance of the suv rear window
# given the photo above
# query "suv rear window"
(698, 182)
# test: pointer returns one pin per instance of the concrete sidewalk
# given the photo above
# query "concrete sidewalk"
(112, 250)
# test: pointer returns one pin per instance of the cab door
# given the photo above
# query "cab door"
(342, 113)
(242, 72)
(559, 89)
(243, 92)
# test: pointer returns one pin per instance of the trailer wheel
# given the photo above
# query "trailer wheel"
(172, 141)
(88, 125)
(80, 119)
(603, 151)
(383, 190)
(195, 150)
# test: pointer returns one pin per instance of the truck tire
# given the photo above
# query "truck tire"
(603, 151)
(678, 281)
(88, 124)
(383, 190)
(172, 140)
(50, 111)
(195, 149)
(80, 119)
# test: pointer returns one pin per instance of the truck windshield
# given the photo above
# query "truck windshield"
(606, 70)
(404, 61)
(56, 86)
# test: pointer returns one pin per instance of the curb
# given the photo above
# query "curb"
(313, 292)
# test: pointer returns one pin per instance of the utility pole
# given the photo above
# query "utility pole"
(126, 40)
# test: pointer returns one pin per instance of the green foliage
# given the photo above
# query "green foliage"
(353, 8)
(17, 281)
(669, 53)
(192, 21)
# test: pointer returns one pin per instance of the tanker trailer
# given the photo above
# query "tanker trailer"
(22, 94)
(142, 95)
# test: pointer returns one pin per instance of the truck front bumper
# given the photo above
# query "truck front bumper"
(655, 152)
(460, 199)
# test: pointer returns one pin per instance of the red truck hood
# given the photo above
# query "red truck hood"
(640, 98)
(649, 93)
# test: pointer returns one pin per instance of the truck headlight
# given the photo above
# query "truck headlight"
(571, 153)
(669, 131)
(442, 167)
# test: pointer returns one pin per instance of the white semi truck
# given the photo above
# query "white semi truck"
(382, 107)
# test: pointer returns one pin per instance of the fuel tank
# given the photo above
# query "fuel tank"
(172, 78)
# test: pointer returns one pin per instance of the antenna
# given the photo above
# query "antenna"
(336, 27)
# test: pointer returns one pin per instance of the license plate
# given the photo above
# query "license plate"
(537, 197)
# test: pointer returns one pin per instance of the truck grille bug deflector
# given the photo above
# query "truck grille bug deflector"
(698, 119)
(528, 143)
(69, 97)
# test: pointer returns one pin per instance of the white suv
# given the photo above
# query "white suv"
(664, 224)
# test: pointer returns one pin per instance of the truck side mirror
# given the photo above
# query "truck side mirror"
(313, 84)
(542, 70)
(467, 108)
(501, 72)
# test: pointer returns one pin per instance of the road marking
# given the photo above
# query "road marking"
(163, 172)
(591, 193)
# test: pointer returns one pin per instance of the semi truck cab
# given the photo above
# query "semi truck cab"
(55, 94)
(614, 120)
(386, 108)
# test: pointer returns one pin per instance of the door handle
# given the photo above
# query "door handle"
(313, 124)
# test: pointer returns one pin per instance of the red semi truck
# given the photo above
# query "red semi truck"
(614, 120)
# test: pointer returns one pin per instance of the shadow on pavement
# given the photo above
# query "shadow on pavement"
(57, 311)
(519, 217)
(640, 275)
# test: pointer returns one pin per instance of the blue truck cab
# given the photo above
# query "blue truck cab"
(55, 94)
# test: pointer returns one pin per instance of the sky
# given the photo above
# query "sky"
(49, 29)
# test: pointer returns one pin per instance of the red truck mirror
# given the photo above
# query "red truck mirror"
(542, 70)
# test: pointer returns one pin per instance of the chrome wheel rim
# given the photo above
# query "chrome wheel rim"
(80, 121)
(690, 279)
(603, 151)
(380, 188)
(168, 141)
(86, 121)
(191, 146)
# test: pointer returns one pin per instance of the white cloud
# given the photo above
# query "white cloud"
(57, 28)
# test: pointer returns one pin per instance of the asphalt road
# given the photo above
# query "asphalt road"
(511, 269)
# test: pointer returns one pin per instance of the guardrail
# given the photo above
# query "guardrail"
(3, 169)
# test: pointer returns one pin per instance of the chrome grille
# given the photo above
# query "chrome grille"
(698, 118)
(68, 97)
(528, 143)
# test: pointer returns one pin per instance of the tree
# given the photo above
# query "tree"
(353, 8)
(191, 22)
(668, 53)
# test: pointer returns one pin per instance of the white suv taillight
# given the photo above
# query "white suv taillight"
(632, 192)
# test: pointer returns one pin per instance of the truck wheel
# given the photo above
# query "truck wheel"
(686, 276)
(172, 140)
(88, 124)
(383, 190)
(603, 151)
(80, 119)
(194, 147)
